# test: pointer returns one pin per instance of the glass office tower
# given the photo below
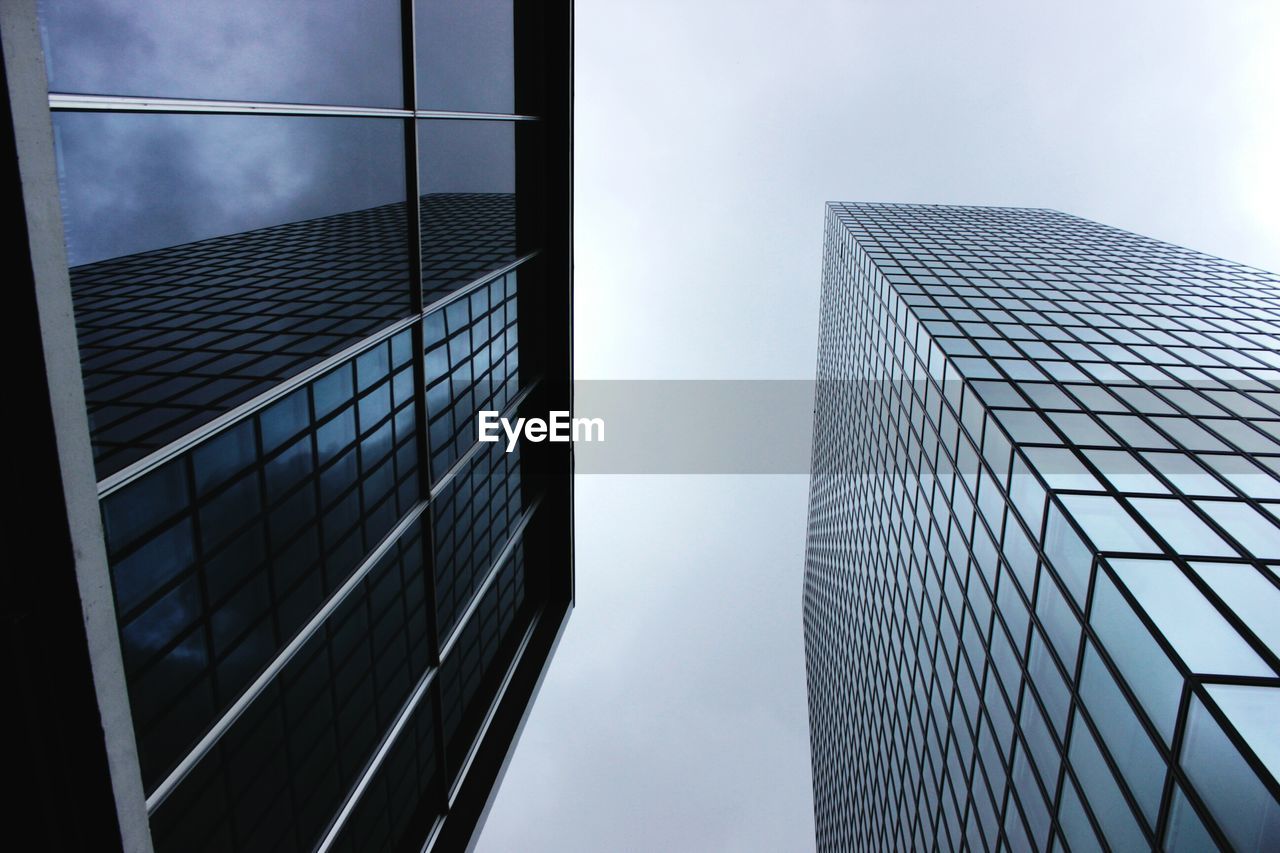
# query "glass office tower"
(1041, 577)
(279, 255)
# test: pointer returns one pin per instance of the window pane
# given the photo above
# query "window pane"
(1254, 710)
(295, 51)
(467, 171)
(1131, 748)
(1143, 664)
(1186, 534)
(1242, 806)
(1195, 629)
(1107, 524)
(1185, 832)
(465, 55)
(206, 269)
(1099, 787)
(1248, 594)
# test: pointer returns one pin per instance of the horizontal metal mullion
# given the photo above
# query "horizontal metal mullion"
(467, 289)
(477, 445)
(175, 448)
(452, 114)
(233, 713)
(71, 102)
(259, 685)
(178, 446)
(452, 640)
(465, 766)
(375, 761)
(60, 102)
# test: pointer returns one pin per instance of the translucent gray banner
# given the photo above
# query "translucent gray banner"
(765, 427)
(696, 426)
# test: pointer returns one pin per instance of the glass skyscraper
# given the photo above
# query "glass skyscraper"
(1042, 576)
(279, 255)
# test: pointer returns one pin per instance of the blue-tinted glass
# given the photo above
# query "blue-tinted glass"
(297, 51)
(374, 407)
(1247, 592)
(141, 505)
(1028, 794)
(1119, 826)
(1107, 524)
(204, 271)
(1140, 764)
(1185, 832)
(401, 349)
(465, 55)
(1061, 623)
(163, 557)
(284, 419)
(332, 390)
(1254, 710)
(467, 172)
(371, 367)
(1185, 533)
(1071, 560)
(1249, 527)
(1195, 629)
(1026, 494)
(223, 456)
(1061, 469)
(288, 468)
(1124, 471)
(433, 328)
(1243, 808)
(1075, 823)
(1143, 664)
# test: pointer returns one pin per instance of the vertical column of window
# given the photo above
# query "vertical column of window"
(472, 519)
(467, 180)
(401, 802)
(472, 365)
(477, 661)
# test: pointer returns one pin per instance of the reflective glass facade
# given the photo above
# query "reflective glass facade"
(1043, 563)
(328, 605)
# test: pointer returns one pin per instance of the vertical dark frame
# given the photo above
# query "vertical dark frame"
(544, 193)
(55, 732)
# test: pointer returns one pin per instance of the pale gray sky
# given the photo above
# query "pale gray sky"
(708, 136)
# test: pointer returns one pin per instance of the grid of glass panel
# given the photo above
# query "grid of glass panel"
(474, 517)
(473, 365)
(281, 772)
(283, 353)
(469, 679)
(220, 556)
(1041, 570)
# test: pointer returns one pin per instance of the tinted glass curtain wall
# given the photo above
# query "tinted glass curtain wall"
(303, 244)
(1041, 578)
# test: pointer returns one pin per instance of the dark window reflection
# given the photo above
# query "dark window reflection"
(467, 172)
(310, 735)
(470, 675)
(215, 256)
(465, 55)
(402, 799)
(295, 51)
(472, 519)
(219, 557)
(472, 364)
